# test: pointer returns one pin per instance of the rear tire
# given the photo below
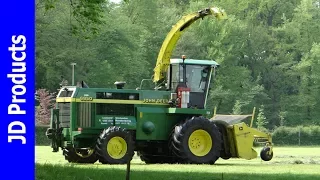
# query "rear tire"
(115, 146)
(197, 141)
(80, 156)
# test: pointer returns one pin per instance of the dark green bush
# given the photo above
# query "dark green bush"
(290, 135)
(41, 138)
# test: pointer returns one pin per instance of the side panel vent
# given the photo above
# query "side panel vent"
(64, 114)
(84, 114)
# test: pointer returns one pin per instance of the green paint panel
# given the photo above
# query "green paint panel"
(151, 121)
(66, 134)
(104, 121)
(91, 92)
(143, 94)
(157, 117)
(149, 94)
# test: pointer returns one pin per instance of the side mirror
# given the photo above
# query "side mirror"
(204, 74)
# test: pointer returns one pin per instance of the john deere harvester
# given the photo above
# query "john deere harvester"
(167, 124)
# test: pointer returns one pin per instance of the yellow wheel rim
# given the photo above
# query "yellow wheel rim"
(200, 143)
(89, 153)
(117, 147)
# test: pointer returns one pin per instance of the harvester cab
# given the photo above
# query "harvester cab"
(189, 81)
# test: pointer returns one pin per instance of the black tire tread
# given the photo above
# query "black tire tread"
(181, 133)
(108, 133)
(72, 157)
(264, 154)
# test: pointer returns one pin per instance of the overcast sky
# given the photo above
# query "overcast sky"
(115, 1)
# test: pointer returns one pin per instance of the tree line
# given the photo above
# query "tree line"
(269, 51)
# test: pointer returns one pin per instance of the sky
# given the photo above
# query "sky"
(115, 1)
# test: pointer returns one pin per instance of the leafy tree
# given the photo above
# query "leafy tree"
(282, 118)
(310, 84)
(261, 118)
(46, 102)
(86, 15)
(237, 108)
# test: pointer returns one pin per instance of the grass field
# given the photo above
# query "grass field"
(288, 163)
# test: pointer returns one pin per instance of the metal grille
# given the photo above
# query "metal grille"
(84, 114)
(64, 114)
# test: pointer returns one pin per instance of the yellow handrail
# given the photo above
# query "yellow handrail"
(252, 118)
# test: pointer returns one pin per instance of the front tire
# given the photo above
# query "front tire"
(87, 156)
(197, 141)
(115, 146)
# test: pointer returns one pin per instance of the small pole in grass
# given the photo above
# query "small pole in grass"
(128, 170)
(129, 162)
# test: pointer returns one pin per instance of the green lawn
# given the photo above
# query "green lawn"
(288, 163)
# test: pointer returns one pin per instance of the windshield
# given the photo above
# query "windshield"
(196, 76)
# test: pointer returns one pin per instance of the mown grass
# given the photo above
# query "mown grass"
(288, 163)
(53, 172)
